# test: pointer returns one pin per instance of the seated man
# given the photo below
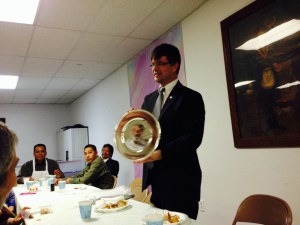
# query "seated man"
(107, 153)
(95, 173)
(40, 166)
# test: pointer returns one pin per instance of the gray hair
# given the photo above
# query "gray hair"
(8, 141)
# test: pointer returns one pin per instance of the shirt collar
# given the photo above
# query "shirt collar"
(105, 159)
(169, 87)
(42, 163)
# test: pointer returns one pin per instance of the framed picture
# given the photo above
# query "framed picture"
(3, 120)
(261, 44)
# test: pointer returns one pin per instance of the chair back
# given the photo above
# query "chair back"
(136, 189)
(264, 209)
(115, 181)
(147, 199)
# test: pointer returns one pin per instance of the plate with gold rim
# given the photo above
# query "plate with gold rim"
(137, 134)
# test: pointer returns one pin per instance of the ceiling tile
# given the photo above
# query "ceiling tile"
(4, 100)
(6, 93)
(11, 65)
(76, 69)
(170, 13)
(102, 70)
(52, 43)
(35, 83)
(67, 14)
(94, 47)
(62, 83)
(72, 94)
(24, 100)
(33, 94)
(65, 100)
(14, 38)
(41, 67)
(128, 15)
(47, 100)
(56, 94)
(127, 49)
(86, 84)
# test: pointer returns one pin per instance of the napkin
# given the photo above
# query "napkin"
(111, 204)
(111, 201)
(109, 193)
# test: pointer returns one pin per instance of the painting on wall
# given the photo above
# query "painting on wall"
(2, 120)
(140, 77)
(261, 44)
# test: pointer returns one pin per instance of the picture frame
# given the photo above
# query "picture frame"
(263, 78)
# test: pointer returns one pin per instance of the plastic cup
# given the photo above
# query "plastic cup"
(51, 180)
(62, 184)
(154, 219)
(85, 208)
(25, 179)
(29, 184)
(42, 181)
(25, 213)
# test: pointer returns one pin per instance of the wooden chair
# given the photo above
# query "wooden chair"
(136, 189)
(147, 199)
(264, 209)
(115, 180)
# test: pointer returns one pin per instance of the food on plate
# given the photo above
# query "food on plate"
(118, 204)
(171, 219)
(33, 189)
(45, 209)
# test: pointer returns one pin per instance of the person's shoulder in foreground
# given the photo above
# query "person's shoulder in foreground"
(8, 177)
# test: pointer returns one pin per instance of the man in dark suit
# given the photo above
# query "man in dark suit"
(107, 153)
(173, 169)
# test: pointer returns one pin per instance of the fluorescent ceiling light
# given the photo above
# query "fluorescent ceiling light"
(242, 83)
(8, 82)
(287, 85)
(273, 35)
(18, 11)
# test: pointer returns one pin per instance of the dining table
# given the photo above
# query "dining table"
(63, 206)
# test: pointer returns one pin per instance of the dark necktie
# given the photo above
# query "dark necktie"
(159, 102)
(156, 112)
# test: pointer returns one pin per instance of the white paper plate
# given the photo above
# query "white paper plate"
(182, 217)
(99, 208)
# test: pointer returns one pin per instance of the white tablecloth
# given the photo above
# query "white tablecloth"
(66, 211)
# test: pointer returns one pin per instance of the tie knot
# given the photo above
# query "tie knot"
(161, 90)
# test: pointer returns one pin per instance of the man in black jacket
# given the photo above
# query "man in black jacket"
(107, 153)
(173, 169)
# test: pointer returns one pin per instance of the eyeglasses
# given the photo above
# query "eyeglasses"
(159, 64)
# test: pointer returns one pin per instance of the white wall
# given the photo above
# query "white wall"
(35, 123)
(229, 174)
(101, 110)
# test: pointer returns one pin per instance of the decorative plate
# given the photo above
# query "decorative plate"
(137, 134)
